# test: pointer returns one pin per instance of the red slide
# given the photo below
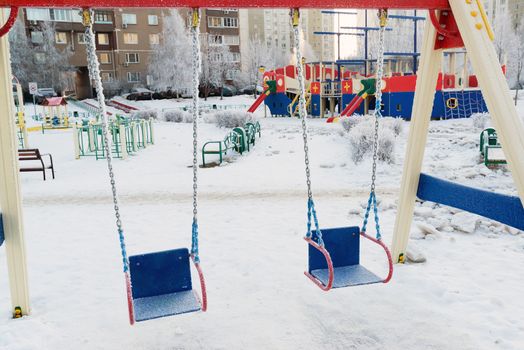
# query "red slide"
(258, 101)
(352, 106)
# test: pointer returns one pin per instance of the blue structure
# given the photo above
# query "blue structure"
(1, 230)
(162, 284)
(343, 245)
(499, 207)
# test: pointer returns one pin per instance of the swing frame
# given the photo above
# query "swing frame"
(472, 30)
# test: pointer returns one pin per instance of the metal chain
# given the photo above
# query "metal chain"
(197, 61)
(372, 201)
(302, 112)
(94, 67)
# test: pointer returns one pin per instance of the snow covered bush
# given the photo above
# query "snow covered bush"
(348, 123)
(178, 116)
(147, 114)
(479, 120)
(395, 124)
(232, 119)
(361, 140)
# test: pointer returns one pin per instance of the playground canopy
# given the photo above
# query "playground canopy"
(54, 102)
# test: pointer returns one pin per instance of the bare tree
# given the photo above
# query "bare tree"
(258, 55)
(171, 60)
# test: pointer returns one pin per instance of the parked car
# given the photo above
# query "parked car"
(43, 93)
(139, 94)
(250, 90)
(229, 90)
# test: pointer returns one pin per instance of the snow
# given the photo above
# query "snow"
(252, 217)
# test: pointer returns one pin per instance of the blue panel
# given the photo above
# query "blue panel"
(278, 104)
(165, 305)
(160, 273)
(315, 105)
(1, 230)
(348, 276)
(343, 245)
(503, 208)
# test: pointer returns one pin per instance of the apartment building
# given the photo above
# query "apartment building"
(124, 41)
(272, 27)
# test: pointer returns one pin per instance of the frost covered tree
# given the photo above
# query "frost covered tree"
(258, 55)
(41, 60)
(217, 62)
(170, 63)
(516, 60)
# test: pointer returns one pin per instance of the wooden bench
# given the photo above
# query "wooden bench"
(33, 154)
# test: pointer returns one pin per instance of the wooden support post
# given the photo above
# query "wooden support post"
(76, 141)
(427, 76)
(10, 198)
(123, 141)
(476, 34)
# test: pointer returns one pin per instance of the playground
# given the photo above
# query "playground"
(436, 271)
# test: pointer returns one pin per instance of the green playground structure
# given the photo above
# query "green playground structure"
(490, 148)
(128, 136)
(238, 139)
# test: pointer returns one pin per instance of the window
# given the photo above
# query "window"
(37, 37)
(152, 20)
(132, 58)
(103, 17)
(82, 38)
(218, 22)
(103, 38)
(61, 37)
(60, 15)
(130, 38)
(215, 39)
(235, 56)
(107, 77)
(128, 18)
(37, 14)
(230, 22)
(231, 40)
(105, 58)
(214, 21)
(39, 58)
(154, 39)
(133, 77)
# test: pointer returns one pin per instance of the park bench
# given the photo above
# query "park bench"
(33, 154)
(230, 142)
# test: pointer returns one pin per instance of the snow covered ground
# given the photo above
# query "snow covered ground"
(252, 215)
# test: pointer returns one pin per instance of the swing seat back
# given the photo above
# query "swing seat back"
(161, 284)
(343, 245)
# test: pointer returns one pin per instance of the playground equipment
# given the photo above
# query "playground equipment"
(55, 114)
(455, 23)
(490, 148)
(334, 254)
(128, 136)
(158, 284)
(238, 139)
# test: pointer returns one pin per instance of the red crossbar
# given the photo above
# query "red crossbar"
(363, 4)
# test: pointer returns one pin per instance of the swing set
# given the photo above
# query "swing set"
(159, 284)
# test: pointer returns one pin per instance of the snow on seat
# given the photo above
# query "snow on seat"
(347, 276)
(161, 284)
(343, 245)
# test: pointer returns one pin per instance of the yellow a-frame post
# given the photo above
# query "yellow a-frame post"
(477, 36)
(10, 197)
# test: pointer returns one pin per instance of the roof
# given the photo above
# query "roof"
(54, 101)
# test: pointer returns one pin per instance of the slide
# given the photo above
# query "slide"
(258, 101)
(353, 105)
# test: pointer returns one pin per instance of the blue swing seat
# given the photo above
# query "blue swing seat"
(161, 284)
(343, 245)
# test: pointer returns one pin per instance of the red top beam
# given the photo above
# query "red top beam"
(362, 4)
